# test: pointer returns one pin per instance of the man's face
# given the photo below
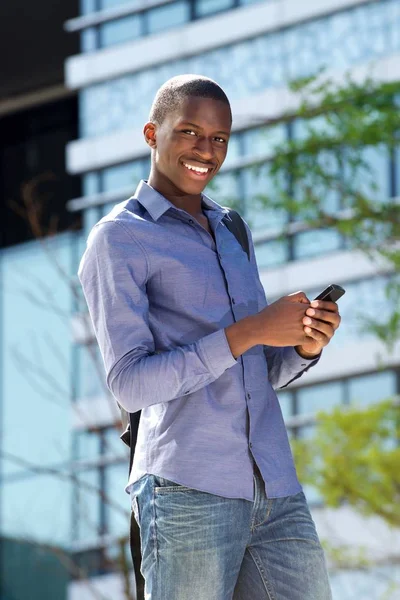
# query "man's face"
(191, 145)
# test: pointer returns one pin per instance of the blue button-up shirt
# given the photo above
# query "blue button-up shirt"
(160, 293)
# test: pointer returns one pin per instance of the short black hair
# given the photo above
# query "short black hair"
(173, 91)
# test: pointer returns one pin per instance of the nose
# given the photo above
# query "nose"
(204, 147)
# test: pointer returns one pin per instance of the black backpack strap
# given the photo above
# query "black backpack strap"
(234, 222)
(130, 437)
(134, 542)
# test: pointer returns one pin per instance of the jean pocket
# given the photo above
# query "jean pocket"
(135, 509)
(163, 485)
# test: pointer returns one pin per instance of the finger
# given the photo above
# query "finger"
(316, 335)
(320, 326)
(324, 315)
(325, 305)
(299, 297)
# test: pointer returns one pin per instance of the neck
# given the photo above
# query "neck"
(189, 203)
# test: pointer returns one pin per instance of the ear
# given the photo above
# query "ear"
(149, 132)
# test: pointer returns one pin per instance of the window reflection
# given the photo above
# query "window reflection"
(117, 512)
(271, 254)
(208, 7)
(259, 189)
(123, 176)
(91, 372)
(321, 397)
(87, 445)
(165, 17)
(315, 243)
(88, 512)
(120, 30)
(251, 66)
(369, 389)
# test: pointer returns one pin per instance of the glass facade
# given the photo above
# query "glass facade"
(339, 40)
(359, 391)
(246, 189)
(101, 505)
(371, 30)
(147, 21)
(35, 396)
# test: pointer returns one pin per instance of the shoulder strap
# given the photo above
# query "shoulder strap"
(236, 226)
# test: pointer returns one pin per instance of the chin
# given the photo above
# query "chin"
(191, 188)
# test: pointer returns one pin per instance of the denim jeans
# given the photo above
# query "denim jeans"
(198, 546)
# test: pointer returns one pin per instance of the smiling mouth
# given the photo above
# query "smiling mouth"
(197, 171)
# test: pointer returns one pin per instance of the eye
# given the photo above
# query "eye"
(189, 131)
(220, 140)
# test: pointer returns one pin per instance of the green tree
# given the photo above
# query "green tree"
(324, 180)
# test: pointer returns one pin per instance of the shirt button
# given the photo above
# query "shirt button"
(233, 300)
(250, 445)
(191, 221)
(249, 396)
(220, 257)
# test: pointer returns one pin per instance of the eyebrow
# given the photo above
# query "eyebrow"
(198, 127)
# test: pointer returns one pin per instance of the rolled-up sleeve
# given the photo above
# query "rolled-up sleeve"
(114, 272)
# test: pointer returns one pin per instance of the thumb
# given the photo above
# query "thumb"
(299, 297)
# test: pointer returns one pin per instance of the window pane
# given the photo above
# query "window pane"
(258, 190)
(373, 180)
(369, 389)
(36, 353)
(312, 495)
(316, 243)
(262, 140)
(234, 149)
(273, 253)
(119, 510)
(165, 17)
(87, 6)
(89, 39)
(244, 2)
(90, 217)
(113, 445)
(123, 176)
(120, 30)
(91, 184)
(207, 7)
(88, 504)
(286, 403)
(37, 508)
(91, 379)
(87, 445)
(104, 4)
(247, 67)
(224, 189)
(322, 397)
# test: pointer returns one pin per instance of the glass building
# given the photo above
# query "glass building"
(56, 412)
(253, 49)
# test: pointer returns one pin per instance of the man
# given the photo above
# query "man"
(187, 337)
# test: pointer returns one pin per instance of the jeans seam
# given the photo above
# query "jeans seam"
(155, 544)
(261, 570)
(269, 508)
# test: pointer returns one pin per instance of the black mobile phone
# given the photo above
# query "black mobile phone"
(332, 293)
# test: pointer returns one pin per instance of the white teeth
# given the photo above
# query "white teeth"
(197, 169)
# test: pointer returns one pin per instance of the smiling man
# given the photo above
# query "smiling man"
(188, 338)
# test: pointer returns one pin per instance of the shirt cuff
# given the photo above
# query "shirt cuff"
(297, 363)
(216, 353)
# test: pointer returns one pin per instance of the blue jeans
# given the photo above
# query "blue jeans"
(197, 546)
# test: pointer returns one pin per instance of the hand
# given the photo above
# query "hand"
(280, 323)
(320, 323)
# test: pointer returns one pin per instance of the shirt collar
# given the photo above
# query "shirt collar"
(156, 205)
